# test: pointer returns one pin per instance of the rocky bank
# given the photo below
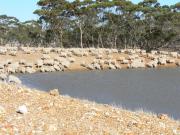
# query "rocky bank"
(25, 111)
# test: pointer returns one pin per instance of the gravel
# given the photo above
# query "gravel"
(47, 114)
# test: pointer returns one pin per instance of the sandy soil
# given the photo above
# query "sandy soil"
(50, 114)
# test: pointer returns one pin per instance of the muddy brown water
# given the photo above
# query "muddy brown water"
(154, 90)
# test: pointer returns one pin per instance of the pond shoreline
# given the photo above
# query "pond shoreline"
(50, 113)
(31, 60)
(53, 113)
(131, 88)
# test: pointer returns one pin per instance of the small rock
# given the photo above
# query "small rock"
(52, 127)
(3, 77)
(2, 110)
(22, 109)
(162, 125)
(176, 131)
(14, 79)
(54, 92)
(162, 116)
(178, 63)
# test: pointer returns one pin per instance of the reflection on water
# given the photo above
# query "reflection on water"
(156, 90)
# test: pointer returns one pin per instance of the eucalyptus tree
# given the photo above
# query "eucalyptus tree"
(176, 21)
(158, 24)
(80, 13)
(52, 16)
(7, 24)
(34, 32)
(96, 23)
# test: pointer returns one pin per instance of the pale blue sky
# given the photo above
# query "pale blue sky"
(23, 9)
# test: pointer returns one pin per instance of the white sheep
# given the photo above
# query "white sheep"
(14, 79)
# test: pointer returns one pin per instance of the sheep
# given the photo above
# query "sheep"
(14, 79)
(112, 61)
(49, 69)
(143, 51)
(152, 57)
(178, 56)
(83, 64)
(22, 62)
(137, 64)
(174, 54)
(109, 57)
(48, 62)
(152, 64)
(85, 53)
(96, 66)
(29, 64)
(39, 63)
(72, 60)
(14, 66)
(3, 51)
(117, 66)
(99, 56)
(13, 53)
(22, 70)
(3, 76)
(108, 52)
(170, 60)
(122, 51)
(162, 61)
(178, 63)
(42, 69)
(30, 70)
(121, 58)
(57, 68)
(12, 48)
(111, 66)
(125, 61)
(27, 51)
(69, 54)
(90, 67)
(66, 64)
(77, 53)
(11, 70)
(114, 50)
(59, 59)
(1, 65)
(8, 61)
(63, 54)
(163, 52)
(46, 50)
(45, 57)
(137, 50)
(2, 71)
(153, 52)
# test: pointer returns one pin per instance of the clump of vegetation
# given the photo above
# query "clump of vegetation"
(100, 23)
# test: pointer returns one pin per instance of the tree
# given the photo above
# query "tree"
(52, 13)
(96, 23)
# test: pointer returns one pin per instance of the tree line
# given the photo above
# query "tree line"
(96, 23)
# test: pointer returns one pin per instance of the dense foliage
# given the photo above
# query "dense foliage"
(96, 23)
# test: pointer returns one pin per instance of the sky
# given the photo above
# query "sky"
(23, 9)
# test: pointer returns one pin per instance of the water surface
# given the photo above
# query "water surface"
(155, 90)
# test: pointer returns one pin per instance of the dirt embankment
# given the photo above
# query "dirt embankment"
(53, 114)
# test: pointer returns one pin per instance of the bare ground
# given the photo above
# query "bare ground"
(63, 115)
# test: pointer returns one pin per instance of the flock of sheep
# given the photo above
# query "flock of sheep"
(64, 59)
